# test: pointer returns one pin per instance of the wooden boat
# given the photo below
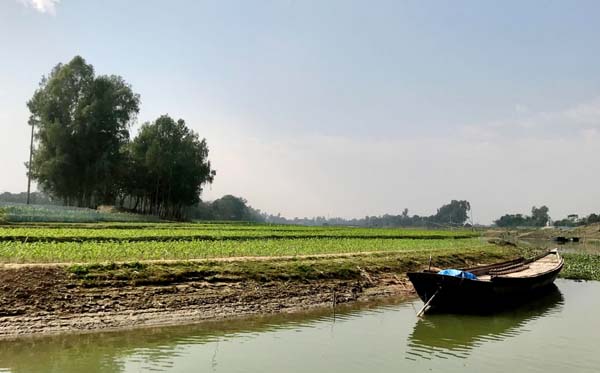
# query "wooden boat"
(496, 286)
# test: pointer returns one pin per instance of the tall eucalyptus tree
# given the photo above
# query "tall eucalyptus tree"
(82, 123)
(170, 166)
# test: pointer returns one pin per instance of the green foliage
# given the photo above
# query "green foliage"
(168, 168)
(573, 220)
(84, 155)
(82, 123)
(539, 218)
(230, 208)
(95, 252)
(306, 268)
(194, 232)
(36, 198)
(132, 242)
(79, 270)
(566, 223)
(454, 214)
(227, 208)
(582, 266)
(517, 220)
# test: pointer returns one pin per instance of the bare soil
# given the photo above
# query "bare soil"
(49, 299)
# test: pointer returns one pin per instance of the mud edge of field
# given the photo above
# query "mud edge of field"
(50, 299)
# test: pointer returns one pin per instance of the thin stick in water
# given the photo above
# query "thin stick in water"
(422, 311)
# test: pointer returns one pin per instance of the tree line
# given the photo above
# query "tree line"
(453, 214)
(574, 220)
(36, 198)
(232, 208)
(540, 217)
(228, 207)
(86, 157)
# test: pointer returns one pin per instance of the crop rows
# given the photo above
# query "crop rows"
(90, 252)
(30, 234)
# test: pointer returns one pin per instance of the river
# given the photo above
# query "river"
(556, 333)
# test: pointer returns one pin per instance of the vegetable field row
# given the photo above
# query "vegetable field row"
(90, 252)
(219, 236)
(194, 233)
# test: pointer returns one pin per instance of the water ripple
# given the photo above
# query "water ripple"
(458, 335)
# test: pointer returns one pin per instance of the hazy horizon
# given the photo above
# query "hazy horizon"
(340, 108)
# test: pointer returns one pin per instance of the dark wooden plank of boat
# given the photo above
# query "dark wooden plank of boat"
(479, 270)
(506, 271)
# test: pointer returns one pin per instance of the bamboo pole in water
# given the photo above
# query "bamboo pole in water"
(422, 311)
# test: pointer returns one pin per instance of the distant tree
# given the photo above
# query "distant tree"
(573, 220)
(170, 166)
(565, 223)
(226, 208)
(82, 123)
(539, 216)
(37, 198)
(200, 211)
(593, 218)
(517, 220)
(454, 213)
(230, 208)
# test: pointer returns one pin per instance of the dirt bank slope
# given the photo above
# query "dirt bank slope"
(55, 299)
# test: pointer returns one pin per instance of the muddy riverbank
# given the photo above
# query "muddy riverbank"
(45, 301)
(57, 299)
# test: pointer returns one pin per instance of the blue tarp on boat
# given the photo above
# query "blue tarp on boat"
(457, 273)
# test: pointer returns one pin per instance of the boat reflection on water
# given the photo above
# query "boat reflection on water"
(444, 335)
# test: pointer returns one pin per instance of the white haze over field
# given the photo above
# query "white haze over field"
(341, 108)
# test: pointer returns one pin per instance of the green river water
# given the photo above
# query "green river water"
(557, 333)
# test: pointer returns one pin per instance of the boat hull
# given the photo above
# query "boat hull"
(456, 294)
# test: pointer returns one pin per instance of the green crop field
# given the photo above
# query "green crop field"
(187, 232)
(138, 241)
(89, 251)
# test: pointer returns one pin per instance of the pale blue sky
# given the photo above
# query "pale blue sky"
(342, 107)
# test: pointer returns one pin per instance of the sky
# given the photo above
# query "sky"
(341, 108)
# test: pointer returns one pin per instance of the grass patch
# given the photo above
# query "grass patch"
(304, 269)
